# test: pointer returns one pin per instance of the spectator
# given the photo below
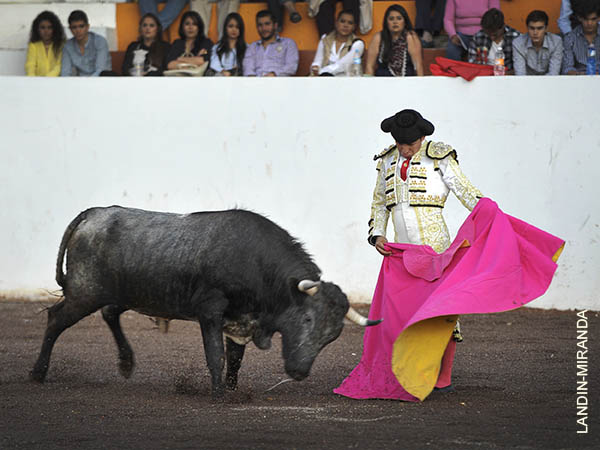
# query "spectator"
(192, 47)
(151, 45)
(272, 55)
(228, 54)
(584, 35)
(494, 34)
(538, 52)
(462, 19)
(324, 13)
(290, 5)
(396, 49)
(429, 24)
(86, 53)
(225, 7)
(335, 52)
(46, 40)
(169, 13)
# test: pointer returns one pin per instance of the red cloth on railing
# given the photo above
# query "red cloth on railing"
(451, 68)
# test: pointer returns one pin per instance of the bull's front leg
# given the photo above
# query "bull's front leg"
(235, 353)
(212, 307)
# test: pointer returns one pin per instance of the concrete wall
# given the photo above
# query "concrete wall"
(297, 150)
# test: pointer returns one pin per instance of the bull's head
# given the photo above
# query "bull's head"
(315, 320)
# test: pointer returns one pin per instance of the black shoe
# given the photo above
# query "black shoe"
(445, 389)
(295, 17)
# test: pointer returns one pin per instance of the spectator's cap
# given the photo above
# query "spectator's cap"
(407, 126)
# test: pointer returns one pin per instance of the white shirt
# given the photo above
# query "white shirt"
(337, 65)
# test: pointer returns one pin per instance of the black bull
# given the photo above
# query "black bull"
(235, 272)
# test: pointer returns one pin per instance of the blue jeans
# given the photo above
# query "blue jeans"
(168, 14)
(456, 52)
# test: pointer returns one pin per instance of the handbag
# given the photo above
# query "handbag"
(187, 70)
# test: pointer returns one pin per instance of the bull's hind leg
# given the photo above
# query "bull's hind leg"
(235, 353)
(60, 317)
(111, 314)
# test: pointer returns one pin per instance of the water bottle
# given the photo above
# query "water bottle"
(591, 60)
(356, 67)
(499, 68)
(137, 70)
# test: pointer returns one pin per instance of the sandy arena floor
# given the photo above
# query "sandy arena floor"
(515, 379)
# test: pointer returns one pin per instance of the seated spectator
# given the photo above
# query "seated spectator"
(290, 5)
(193, 47)
(224, 8)
(150, 46)
(169, 13)
(85, 54)
(272, 55)
(494, 34)
(228, 54)
(427, 24)
(462, 20)
(336, 50)
(396, 49)
(46, 40)
(324, 13)
(583, 36)
(538, 52)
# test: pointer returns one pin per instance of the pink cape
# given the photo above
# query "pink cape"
(507, 264)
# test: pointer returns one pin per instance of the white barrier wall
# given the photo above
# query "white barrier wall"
(298, 150)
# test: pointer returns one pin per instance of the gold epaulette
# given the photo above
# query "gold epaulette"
(439, 150)
(384, 152)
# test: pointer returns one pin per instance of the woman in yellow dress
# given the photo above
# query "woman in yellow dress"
(46, 42)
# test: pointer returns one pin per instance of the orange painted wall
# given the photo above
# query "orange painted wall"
(305, 33)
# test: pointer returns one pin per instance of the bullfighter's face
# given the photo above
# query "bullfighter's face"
(408, 150)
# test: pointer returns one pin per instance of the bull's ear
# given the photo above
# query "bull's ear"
(262, 339)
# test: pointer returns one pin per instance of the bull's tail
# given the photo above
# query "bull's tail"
(60, 275)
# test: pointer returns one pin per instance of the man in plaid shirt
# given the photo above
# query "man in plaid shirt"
(493, 35)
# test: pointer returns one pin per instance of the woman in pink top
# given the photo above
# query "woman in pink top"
(461, 21)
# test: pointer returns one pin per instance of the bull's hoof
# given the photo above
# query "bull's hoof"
(37, 376)
(231, 383)
(126, 367)
(218, 394)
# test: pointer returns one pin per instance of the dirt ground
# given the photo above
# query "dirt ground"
(515, 379)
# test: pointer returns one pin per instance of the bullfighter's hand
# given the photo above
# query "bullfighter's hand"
(379, 245)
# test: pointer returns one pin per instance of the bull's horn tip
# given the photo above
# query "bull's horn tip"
(371, 323)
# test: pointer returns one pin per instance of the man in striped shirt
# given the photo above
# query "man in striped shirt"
(577, 42)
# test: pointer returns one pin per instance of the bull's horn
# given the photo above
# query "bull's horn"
(308, 286)
(355, 317)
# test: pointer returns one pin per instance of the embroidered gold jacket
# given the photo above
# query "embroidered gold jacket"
(432, 173)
